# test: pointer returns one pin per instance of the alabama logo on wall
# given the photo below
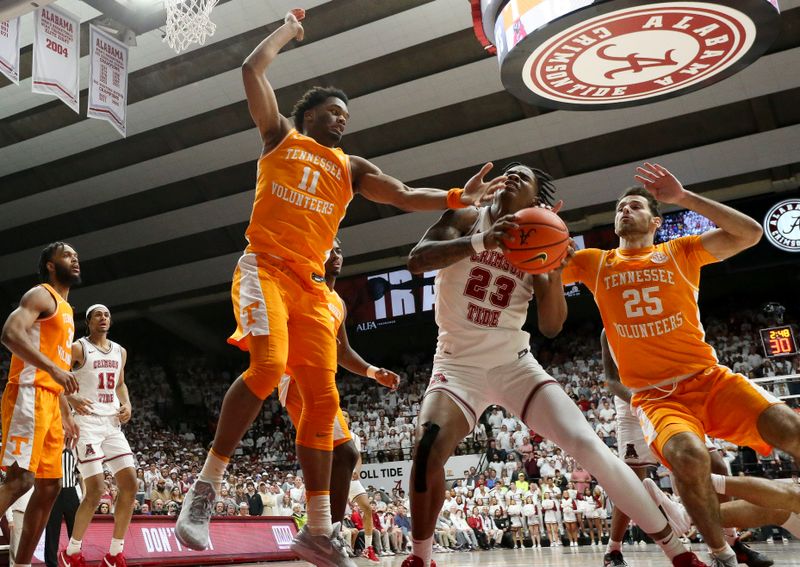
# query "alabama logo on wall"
(782, 225)
(589, 55)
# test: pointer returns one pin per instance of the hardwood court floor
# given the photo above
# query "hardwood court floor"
(784, 555)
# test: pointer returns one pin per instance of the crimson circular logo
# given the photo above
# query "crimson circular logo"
(782, 225)
(633, 54)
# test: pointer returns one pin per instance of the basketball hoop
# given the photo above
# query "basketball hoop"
(188, 21)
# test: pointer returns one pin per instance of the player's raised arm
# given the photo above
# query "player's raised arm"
(445, 242)
(736, 230)
(260, 97)
(610, 370)
(34, 304)
(349, 359)
(373, 184)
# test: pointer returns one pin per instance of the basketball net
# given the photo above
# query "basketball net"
(188, 21)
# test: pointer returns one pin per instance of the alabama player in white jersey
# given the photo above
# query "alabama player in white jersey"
(483, 358)
(102, 407)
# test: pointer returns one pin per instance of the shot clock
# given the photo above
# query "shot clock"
(778, 341)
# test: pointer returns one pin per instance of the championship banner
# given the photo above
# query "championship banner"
(56, 53)
(9, 50)
(108, 69)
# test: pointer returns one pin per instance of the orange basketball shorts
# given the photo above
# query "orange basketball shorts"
(715, 402)
(32, 433)
(270, 300)
(289, 395)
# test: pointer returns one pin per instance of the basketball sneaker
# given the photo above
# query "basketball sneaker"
(689, 559)
(614, 559)
(192, 526)
(117, 560)
(369, 553)
(414, 561)
(676, 514)
(75, 560)
(322, 551)
(749, 556)
(720, 562)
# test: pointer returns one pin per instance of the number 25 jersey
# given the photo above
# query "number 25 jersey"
(302, 193)
(648, 301)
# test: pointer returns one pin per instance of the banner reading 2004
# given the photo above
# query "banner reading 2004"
(56, 52)
(108, 91)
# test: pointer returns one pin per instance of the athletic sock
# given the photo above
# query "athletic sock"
(718, 481)
(422, 548)
(214, 469)
(671, 546)
(792, 525)
(613, 546)
(319, 512)
(731, 535)
(74, 546)
(724, 553)
(116, 546)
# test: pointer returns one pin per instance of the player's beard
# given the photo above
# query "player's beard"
(65, 276)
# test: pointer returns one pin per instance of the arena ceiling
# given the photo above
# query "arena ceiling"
(159, 218)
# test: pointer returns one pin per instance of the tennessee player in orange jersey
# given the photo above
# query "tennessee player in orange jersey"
(304, 184)
(647, 296)
(346, 448)
(35, 414)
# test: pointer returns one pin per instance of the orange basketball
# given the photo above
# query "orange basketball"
(540, 243)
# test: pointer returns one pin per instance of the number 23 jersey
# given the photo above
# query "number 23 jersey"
(648, 301)
(481, 305)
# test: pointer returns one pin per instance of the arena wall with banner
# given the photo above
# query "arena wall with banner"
(396, 474)
(151, 541)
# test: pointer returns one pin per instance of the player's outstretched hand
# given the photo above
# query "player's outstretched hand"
(72, 431)
(81, 405)
(124, 413)
(387, 378)
(479, 192)
(293, 18)
(568, 258)
(66, 380)
(493, 238)
(660, 182)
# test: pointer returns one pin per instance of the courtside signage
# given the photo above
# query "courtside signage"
(586, 55)
(782, 225)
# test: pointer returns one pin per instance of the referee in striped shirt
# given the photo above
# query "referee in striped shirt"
(64, 508)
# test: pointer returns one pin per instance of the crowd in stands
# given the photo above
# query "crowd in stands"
(526, 486)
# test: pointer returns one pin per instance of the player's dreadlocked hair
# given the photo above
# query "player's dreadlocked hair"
(47, 255)
(544, 181)
(314, 97)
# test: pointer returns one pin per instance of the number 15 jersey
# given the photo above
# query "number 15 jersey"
(481, 305)
(648, 301)
(97, 378)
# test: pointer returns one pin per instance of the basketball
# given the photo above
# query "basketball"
(540, 243)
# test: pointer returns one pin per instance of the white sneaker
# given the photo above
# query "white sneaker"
(322, 551)
(192, 526)
(676, 514)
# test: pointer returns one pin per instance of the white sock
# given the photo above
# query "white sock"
(422, 549)
(719, 483)
(214, 469)
(554, 415)
(74, 546)
(792, 525)
(613, 546)
(22, 564)
(319, 514)
(723, 552)
(671, 545)
(731, 535)
(116, 546)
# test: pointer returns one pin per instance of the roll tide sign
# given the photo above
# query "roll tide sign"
(587, 55)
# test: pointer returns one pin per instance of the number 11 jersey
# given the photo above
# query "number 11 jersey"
(97, 378)
(481, 305)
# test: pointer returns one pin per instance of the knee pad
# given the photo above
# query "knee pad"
(423, 452)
